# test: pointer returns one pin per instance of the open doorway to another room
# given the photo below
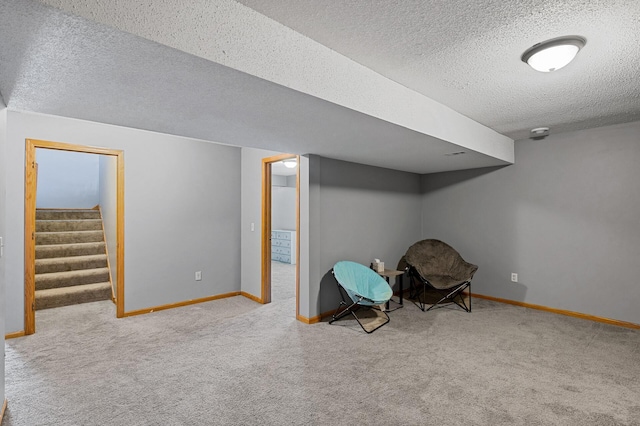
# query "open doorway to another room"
(283, 230)
(280, 230)
(73, 227)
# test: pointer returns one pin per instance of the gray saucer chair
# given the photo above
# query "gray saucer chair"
(437, 268)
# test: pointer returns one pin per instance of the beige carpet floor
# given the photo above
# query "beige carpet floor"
(235, 362)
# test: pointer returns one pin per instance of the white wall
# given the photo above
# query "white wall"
(357, 213)
(67, 179)
(565, 217)
(3, 138)
(108, 171)
(178, 218)
(283, 207)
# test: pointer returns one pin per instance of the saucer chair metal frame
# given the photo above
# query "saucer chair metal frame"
(452, 295)
(360, 287)
(439, 267)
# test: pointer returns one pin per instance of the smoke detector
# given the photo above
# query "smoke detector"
(539, 133)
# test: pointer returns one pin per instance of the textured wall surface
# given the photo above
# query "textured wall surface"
(178, 218)
(564, 217)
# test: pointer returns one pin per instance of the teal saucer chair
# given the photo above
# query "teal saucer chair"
(360, 287)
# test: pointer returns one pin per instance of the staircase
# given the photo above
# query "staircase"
(71, 260)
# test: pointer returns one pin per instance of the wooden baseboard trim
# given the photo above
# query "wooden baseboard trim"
(180, 304)
(4, 407)
(14, 335)
(561, 312)
(251, 297)
(317, 318)
(306, 320)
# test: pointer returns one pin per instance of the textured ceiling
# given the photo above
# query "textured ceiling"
(54, 63)
(78, 63)
(466, 54)
(380, 84)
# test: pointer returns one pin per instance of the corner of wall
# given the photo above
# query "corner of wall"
(3, 139)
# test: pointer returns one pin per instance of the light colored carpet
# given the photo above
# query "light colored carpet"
(283, 281)
(235, 362)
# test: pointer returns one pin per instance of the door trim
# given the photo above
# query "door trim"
(265, 296)
(30, 223)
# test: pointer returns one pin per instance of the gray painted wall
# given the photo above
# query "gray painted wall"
(251, 213)
(3, 138)
(251, 188)
(178, 217)
(67, 179)
(357, 213)
(108, 172)
(564, 217)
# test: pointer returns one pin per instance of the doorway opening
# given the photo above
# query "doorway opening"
(115, 157)
(281, 243)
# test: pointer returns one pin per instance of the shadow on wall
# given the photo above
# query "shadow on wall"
(329, 293)
(453, 178)
(360, 176)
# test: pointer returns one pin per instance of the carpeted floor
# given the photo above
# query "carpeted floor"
(235, 362)
(283, 281)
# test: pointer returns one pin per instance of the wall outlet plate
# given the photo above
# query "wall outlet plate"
(198, 275)
(514, 277)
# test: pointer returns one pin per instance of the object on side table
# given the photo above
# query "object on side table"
(438, 266)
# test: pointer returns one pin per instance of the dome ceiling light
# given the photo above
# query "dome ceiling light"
(551, 55)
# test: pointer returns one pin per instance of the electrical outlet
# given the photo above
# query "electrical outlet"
(198, 275)
(514, 277)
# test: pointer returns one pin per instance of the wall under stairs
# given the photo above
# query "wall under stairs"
(71, 260)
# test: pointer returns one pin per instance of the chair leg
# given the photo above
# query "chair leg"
(362, 326)
(351, 309)
(451, 296)
(342, 313)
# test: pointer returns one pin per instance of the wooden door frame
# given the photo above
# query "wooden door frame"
(30, 223)
(265, 296)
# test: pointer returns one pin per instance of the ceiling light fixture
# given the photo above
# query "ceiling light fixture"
(290, 164)
(539, 133)
(551, 55)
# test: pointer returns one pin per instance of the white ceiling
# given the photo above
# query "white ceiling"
(221, 72)
(466, 54)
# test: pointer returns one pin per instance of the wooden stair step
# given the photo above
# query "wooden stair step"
(62, 264)
(46, 238)
(71, 278)
(57, 297)
(68, 250)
